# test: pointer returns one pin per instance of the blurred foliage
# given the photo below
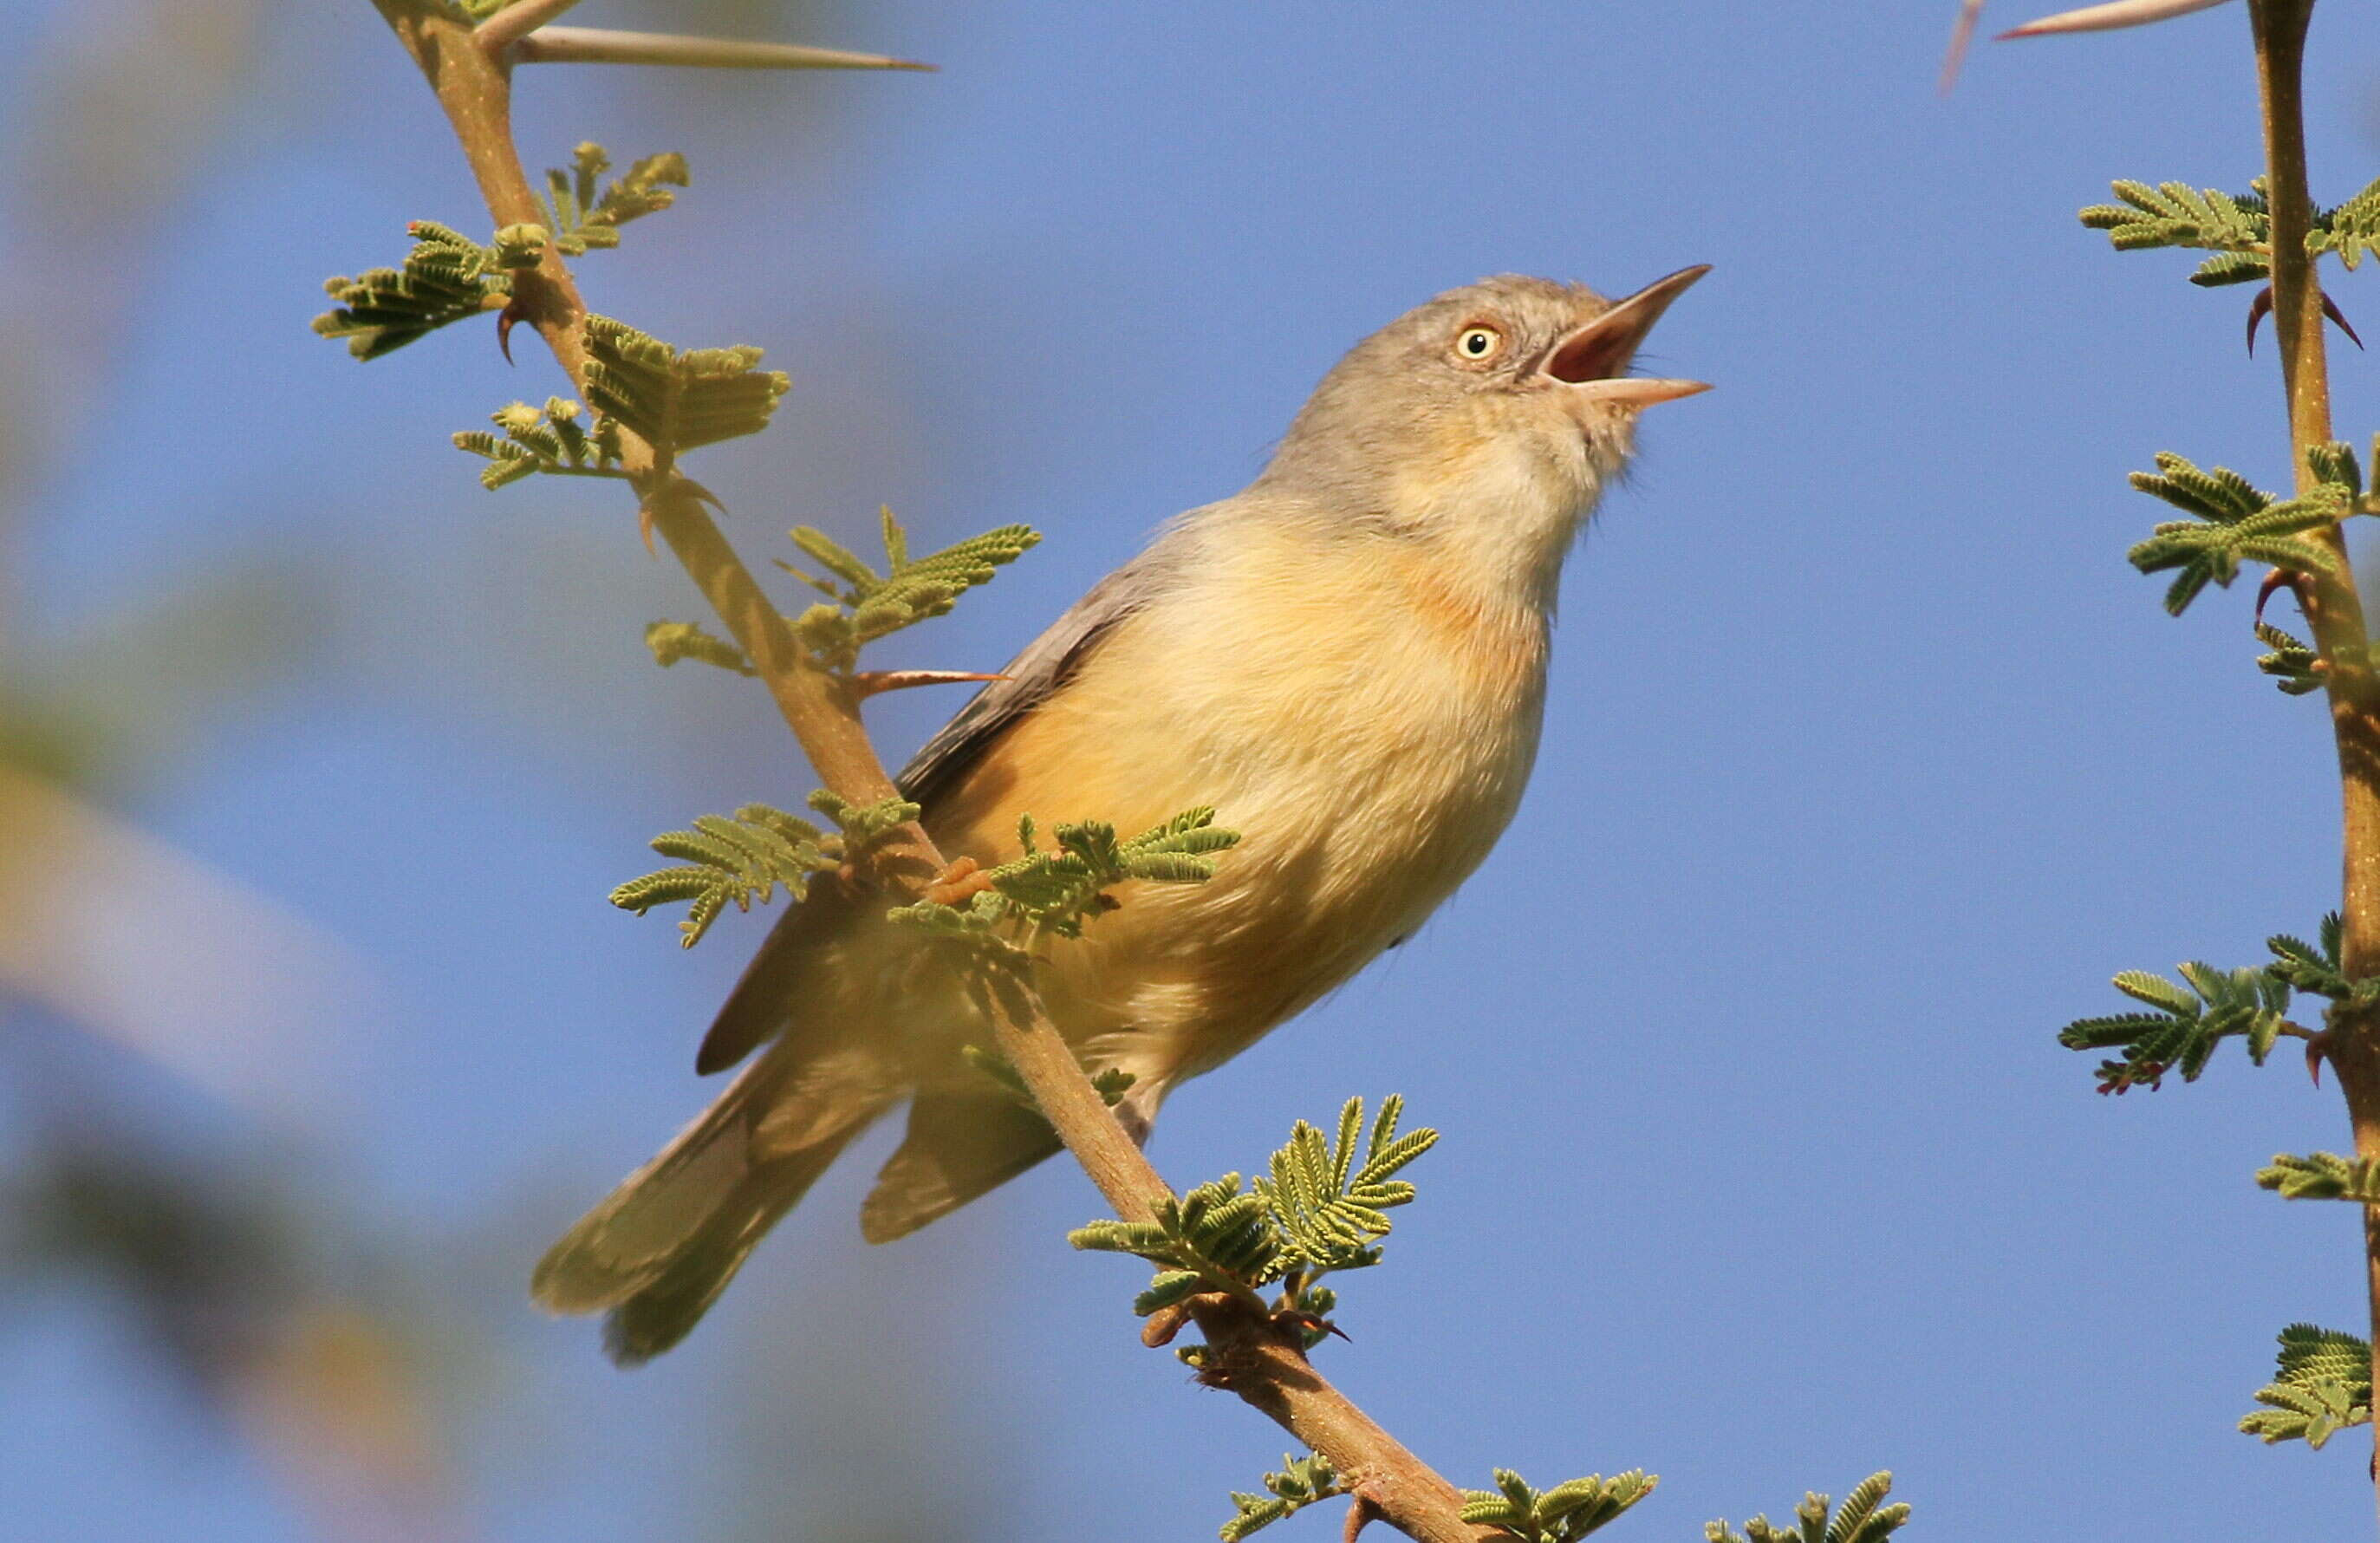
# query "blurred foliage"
(227, 1269)
(205, 1256)
(114, 703)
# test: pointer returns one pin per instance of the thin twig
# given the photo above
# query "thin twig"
(594, 45)
(1246, 1352)
(516, 21)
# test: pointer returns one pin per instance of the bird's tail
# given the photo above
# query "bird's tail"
(659, 1250)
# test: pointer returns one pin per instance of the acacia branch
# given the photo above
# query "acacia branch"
(1248, 1353)
(2332, 605)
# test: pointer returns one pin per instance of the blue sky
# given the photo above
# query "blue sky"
(1867, 758)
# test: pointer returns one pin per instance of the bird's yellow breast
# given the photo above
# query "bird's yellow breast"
(1364, 723)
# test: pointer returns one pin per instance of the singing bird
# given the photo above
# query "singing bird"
(1347, 660)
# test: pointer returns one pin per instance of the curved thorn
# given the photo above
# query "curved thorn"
(2318, 1050)
(2275, 580)
(504, 321)
(2330, 308)
(2258, 308)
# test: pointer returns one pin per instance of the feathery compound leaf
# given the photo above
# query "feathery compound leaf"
(869, 605)
(1317, 1212)
(1215, 1232)
(2317, 969)
(1213, 1238)
(1300, 1482)
(585, 217)
(2226, 268)
(1564, 1514)
(1327, 1216)
(1169, 1287)
(672, 641)
(2235, 523)
(862, 823)
(2157, 990)
(740, 860)
(2336, 462)
(2352, 230)
(2219, 493)
(2176, 214)
(446, 277)
(550, 441)
(1121, 1238)
(2324, 1386)
(2187, 1023)
(2322, 1176)
(1863, 1519)
(2291, 663)
(2236, 228)
(678, 401)
(1055, 891)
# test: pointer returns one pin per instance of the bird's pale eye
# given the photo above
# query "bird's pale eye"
(1478, 343)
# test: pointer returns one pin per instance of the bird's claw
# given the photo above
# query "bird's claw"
(957, 884)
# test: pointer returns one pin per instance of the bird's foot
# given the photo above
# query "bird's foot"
(959, 882)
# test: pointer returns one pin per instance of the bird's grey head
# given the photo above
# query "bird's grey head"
(1509, 398)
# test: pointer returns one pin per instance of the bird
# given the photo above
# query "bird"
(1347, 660)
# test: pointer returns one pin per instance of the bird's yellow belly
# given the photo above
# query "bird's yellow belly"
(1366, 780)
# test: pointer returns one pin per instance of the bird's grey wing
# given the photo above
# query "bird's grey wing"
(762, 1004)
(1030, 679)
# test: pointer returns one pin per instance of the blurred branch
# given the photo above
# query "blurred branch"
(115, 930)
(1261, 1360)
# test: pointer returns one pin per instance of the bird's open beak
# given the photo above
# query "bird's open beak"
(1591, 361)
